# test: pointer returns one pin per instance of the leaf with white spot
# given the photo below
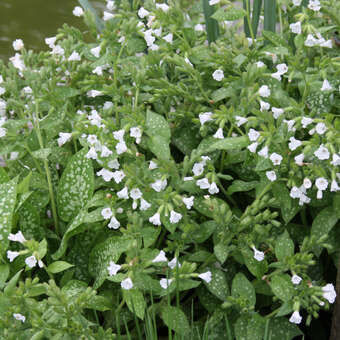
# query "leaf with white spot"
(282, 287)
(103, 253)
(175, 319)
(281, 328)
(242, 288)
(257, 268)
(8, 194)
(284, 246)
(3, 176)
(250, 327)
(218, 284)
(135, 301)
(76, 186)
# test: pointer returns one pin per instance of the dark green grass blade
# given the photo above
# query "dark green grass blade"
(210, 23)
(269, 15)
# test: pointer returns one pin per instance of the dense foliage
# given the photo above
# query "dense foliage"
(152, 183)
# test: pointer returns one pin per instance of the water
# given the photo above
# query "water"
(34, 20)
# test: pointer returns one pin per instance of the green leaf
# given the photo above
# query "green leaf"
(284, 246)
(241, 287)
(42, 153)
(8, 194)
(282, 287)
(10, 286)
(203, 231)
(156, 125)
(58, 266)
(281, 328)
(150, 235)
(4, 273)
(29, 220)
(218, 284)
(275, 39)
(88, 7)
(222, 93)
(211, 25)
(175, 319)
(289, 207)
(324, 222)
(221, 251)
(229, 14)
(3, 175)
(240, 186)
(159, 146)
(103, 253)
(257, 268)
(250, 327)
(336, 204)
(135, 301)
(232, 143)
(75, 186)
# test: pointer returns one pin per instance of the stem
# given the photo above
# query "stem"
(47, 170)
(249, 24)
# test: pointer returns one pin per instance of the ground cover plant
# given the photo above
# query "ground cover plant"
(166, 175)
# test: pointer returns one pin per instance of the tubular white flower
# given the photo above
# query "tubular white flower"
(173, 263)
(11, 255)
(165, 283)
(160, 257)
(205, 117)
(219, 134)
(114, 223)
(203, 183)
(188, 201)
(106, 213)
(295, 317)
(175, 217)
(271, 175)
(329, 292)
(106, 174)
(18, 237)
(258, 255)
(78, 11)
(207, 276)
(19, 317)
(127, 284)
(124, 194)
(31, 261)
(155, 219)
(213, 189)
(275, 158)
(144, 205)
(218, 75)
(264, 91)
(296, 279)
(113, 268)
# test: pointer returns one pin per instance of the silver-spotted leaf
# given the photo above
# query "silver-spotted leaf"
(175, 319)
(135, 301)
(76, 186)
(241, 287)
(284, 246)
(218, 284)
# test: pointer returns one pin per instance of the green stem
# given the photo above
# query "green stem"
(249, 23)
(47, 170)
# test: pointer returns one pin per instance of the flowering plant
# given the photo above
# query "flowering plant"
(145, 170)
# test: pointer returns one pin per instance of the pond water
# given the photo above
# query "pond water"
(34, 20)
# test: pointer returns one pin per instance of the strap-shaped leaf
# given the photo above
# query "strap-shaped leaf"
(76, 186)
(8, 193)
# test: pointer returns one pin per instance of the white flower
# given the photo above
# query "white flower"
(123, 193)
(207, 276)
(3, 132)
(18, 237)
(305, 121)
(50, 41)
(78, 11)
(106, 152)
(108, 16)
(322, 153)
(290, 124)
(326, 86)
(321, 183)
(106, 174)
(320, 128)
(295, 27)
(142, 13)
(199, 28)
(163, 7)
(294, 143)
(106, 213)
(19, 317)
(219, 134)
(160, 257)
(260, 64)
(275, 158)
(92, 154)
(297, 2)
(258, 255)
(263, 152)
(264, 106)
(334, 186)
(307, 183)
(299, 159)
(63, 138)
(110, 5)
(113, 164)
(264, 91)
(295, 317)
(136, 132)
(203, 183)
(253, 135)
(96, 51)
(173, 263)
(74, 56)
(159, 185)
(295, 192)
(126, 284)
(335, 160)
(121, 148)
(314, 5)
(135, 193)
(188, 178)
(252, 147)
(155, 219)
(113, 268)
(11, 255)
(328, 43)
(198, 168)
(205, 117)
(213, 2)
(240, 120)
(276, 75)
(18, 44)
(277, 112)
(153, 165)
(168, 38)
(296, 279)
(282, 68)
(31, 261)
(119, 135)
(18, 62)
(118, 176)
(218, 75)
(329, 292)
(188, 201)
(213, 189)
(311, 41)
(98, 71)
(144, 205)
(175, 217)
(271, 175)
(94, 93)
(165, 283)
(114, 223)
